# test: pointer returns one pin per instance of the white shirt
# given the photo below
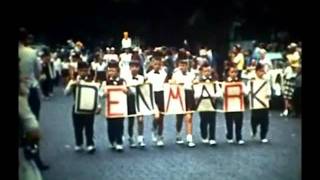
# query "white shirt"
(124, 64)
(109, 57)
(157, 80)
(57, 65)
(96, 66)
(29, 66)
(186, 79)
(65, 65)
(267, 64)
(131, 81)
(126, 43)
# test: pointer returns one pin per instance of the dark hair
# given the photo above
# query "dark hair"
(182, 55)
(82, 65)
(229, 67)
(204, 65)
(134, 62)
(113, 64)
(259, 66)
(157, 55)
(46, 52)
(135, 56)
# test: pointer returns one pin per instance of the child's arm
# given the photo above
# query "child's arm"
(101, 92)
(69, 87)
(219, 91)
(98, 105)
(269, 92)
(246, 88)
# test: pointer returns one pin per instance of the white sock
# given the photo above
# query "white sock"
(189, 137)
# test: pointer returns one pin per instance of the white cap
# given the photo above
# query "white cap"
(107, 48)
(112, 49)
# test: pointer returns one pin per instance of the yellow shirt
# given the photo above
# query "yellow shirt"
(239, 61)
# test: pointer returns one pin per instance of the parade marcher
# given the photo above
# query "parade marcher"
(133, 79)
(115, 125)
(185, 77)
(234, 117)
(157, 77)
(260, 116)
(82, 121)
(208, 118)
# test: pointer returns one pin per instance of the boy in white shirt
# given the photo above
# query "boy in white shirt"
(133, 79)
(183, 76)
(82, 120)
(157, 77)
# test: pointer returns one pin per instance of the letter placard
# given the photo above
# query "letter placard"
(174, 99)
(116, 102)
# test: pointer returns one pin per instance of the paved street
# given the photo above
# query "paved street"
(278, 160)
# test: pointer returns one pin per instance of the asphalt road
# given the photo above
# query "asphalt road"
(278, 160)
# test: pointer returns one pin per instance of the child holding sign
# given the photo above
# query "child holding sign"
(236, 115)
(115, 124)
(260, 116)
(157, 76)
(134, 79)
(183, 76)
(82, 120)
(207, 118)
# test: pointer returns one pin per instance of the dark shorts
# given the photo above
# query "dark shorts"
(159, 100)
(190, 102)
(131, 104)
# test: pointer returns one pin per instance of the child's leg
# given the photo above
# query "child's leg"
(78, 128)
(254, 121)
(111, 133)
(203, 125)
(155, 124)
(119, 130)
(89, 127)
(229, 124)
(179, 122)
(140, 125)
(264, 124)
(188, 121)
(160, 125)
(212, 125)
(238, 121)
(130, 126)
